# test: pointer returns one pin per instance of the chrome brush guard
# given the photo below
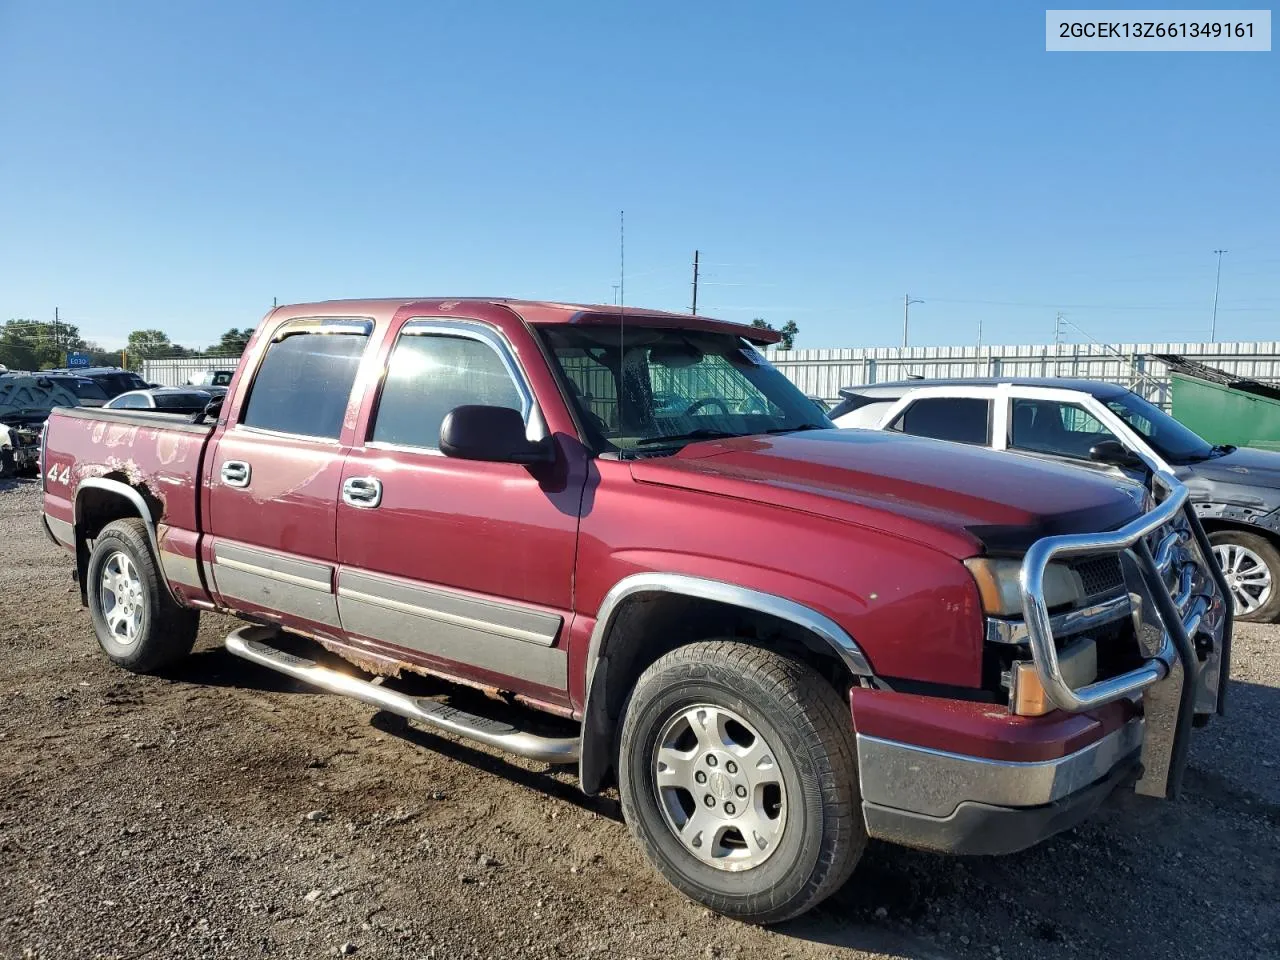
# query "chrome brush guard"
(1194, 609)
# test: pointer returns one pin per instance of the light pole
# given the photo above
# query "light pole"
(906, 316)
(1217, 282)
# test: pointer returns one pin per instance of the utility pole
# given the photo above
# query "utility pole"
(1057, 329)
(1217, 282)
(56, 339)
(695, 283)
(615, 294)
(979, 333)
(906, 315)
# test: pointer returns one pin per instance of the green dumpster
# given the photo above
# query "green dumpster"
(1222, 408)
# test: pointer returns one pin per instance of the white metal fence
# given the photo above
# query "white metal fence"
(821, 373)
(175, 373)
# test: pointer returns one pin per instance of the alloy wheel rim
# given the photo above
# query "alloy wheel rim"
(121, 599)
(719, 787)
(1248, 576)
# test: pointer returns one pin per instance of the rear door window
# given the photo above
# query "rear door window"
(305, 380)
(958, 419)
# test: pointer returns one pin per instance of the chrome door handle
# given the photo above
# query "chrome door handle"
(236, 473)
(362, 492)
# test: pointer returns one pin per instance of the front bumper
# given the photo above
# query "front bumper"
(954, 803)
(983, 828)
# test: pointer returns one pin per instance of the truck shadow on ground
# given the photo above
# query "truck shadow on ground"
(1101, 889)
(217, 668)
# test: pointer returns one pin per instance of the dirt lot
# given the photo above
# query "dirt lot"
(225, 812)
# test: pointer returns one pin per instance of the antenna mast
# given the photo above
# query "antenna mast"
(695, 283)
(622, 313)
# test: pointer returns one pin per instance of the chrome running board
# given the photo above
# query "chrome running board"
(252, 644)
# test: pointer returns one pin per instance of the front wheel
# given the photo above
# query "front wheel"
(1251, 565)
(738, 778)
(139, 626)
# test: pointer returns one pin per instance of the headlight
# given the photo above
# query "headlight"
(998, 585)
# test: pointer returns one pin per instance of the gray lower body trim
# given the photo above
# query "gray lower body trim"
(181, 570)
(62, 531)
(934, 783)
(300, 588)
(448, 606)
(503, 638)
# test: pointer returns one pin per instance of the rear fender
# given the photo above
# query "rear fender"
(133, 504)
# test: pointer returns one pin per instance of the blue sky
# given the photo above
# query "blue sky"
(178, 165)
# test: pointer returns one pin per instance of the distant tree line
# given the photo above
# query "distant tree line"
(41, 345)
(789, 331)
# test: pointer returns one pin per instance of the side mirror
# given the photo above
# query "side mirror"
(210, 411)
(1114, 453)
(494, 434)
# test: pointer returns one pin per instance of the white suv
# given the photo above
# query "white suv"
(1102, 427)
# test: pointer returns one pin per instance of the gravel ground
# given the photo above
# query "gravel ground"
(223, 811)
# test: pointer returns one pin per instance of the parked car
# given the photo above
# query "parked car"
(26, 400)
(163, 400)
(1112, 430)
(215, 382)
(778, 638)
(87, 391)
(113, 380)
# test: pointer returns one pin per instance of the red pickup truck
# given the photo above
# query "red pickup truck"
(776, 637)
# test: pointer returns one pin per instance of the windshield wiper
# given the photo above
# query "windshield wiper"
(702, 433)
(803, 426)
(1220, 450)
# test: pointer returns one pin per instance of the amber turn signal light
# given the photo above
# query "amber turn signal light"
(1026, 696)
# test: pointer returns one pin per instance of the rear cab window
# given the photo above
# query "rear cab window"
(304, 382)
(957, 419)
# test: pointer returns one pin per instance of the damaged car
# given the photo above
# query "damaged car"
(26, 401)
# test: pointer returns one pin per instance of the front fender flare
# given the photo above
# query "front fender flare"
(596, 736)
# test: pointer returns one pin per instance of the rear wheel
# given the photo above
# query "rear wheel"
(139, 626)
(1251, 565)
(738, 778)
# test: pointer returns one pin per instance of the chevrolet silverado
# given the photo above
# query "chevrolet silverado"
(776, 638)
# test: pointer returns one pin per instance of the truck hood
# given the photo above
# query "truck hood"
(962, 500)
(1246, 476)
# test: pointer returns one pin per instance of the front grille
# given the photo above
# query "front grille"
(1102, 575)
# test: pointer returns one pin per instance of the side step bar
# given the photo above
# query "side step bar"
(252, 644)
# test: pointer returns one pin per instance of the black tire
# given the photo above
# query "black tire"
(165, 631)
(1265, 550)
(809, 732)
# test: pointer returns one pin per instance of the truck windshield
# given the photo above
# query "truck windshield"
(678, 386)
(1167, 436)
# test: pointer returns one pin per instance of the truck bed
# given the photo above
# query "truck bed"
(159, 454)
